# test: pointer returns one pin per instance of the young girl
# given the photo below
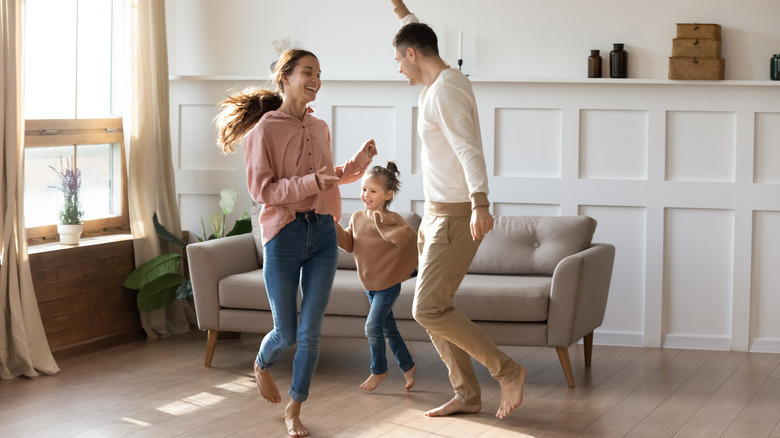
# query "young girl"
(385, 249)
(290, 171)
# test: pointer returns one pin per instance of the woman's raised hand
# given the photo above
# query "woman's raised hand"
(369, 148)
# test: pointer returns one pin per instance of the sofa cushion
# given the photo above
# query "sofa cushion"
(523, 245)
(491, 298)
(480, 297)
(244, 291)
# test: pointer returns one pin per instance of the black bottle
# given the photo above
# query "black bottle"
(618, 62)
(594, 64)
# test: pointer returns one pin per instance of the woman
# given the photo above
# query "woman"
(290, 171)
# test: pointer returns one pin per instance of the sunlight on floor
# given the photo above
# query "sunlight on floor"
(239, 385)
(191, 404)
(136, 422)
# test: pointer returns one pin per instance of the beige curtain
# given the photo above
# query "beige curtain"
(24, 350)
(151, 186)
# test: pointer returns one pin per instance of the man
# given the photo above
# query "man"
(456, 218)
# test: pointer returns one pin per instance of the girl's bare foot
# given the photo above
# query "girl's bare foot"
(512, 394)
(453, 407)
(409, 376)
(266, 386)
(292, 418)
(373, 381)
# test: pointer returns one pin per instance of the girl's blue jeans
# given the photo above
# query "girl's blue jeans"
(380, 325)
(303, 253)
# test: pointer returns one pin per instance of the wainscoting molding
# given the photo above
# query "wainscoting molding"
(683, 177)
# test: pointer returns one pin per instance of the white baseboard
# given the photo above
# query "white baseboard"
(623, 339)
(697, 342)
(765, 345)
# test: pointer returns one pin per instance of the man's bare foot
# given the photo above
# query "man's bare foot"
(373, 381)
(292, 418)
(409, 376)
(453, 407)
(266, 386)
(512, 394)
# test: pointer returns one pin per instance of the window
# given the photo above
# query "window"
(71, 112)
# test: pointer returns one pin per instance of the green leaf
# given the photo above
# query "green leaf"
(242, 226)
(215, 222)
(159, 292)
(152, 269)
(184, 290)
(227, 200)
(165, 234)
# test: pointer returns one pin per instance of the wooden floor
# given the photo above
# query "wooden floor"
(161, 389)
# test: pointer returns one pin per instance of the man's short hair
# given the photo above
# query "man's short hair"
(419, 36)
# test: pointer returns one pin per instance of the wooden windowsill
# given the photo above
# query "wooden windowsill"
(85, 241)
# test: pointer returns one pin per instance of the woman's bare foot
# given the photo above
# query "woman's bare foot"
(453, 407)
(266, 386)
(292, 418)
(512, 394)
(409, 376)
(373, 381)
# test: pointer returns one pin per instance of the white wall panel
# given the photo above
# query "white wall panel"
(354, 125)
(767, 154)
(193, 208)
(701, 146)
(511, 209)
(698, 274)
(416, 143)
(625, 228)
(613, 144)
(765, 297)
(528, 142)
(198, 140)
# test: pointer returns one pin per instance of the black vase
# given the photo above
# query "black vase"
(594, 64)
(618, 62)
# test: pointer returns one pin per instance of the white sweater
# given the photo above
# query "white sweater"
(448, 123)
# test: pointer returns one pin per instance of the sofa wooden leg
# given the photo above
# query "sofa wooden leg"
(587, 343)
(211, 344)
(563, 356)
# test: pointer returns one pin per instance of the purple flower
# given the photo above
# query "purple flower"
(70, 185)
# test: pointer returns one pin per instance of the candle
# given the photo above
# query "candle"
(460, 45)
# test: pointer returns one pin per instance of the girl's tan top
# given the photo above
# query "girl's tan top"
(384, 245)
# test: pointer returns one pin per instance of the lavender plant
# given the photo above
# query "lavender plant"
(70, 186)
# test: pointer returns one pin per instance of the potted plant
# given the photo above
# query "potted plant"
(69, 226)
(159, 281)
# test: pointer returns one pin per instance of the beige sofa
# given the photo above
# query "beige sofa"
(535, 281)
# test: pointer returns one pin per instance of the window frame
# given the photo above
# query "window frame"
(58, 132)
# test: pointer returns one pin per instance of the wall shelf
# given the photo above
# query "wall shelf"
(507, 80)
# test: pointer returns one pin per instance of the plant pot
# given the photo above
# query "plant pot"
(70, 234)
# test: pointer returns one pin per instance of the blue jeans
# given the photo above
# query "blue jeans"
(303, 253)
(380, 325)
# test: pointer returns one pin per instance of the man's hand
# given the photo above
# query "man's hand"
(481, 222)
(325, 182)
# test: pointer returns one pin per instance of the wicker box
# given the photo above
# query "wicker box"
(698, 30)
(698, 47)
(688, 67)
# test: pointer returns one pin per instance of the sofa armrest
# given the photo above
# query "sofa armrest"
(578, 298)
(210, 262)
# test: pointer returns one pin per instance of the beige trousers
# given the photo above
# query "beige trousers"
(446, 250)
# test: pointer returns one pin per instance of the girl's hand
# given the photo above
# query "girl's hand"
(324, 181)
(369, 148)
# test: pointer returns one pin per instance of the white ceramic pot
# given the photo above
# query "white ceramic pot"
(70, 234)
